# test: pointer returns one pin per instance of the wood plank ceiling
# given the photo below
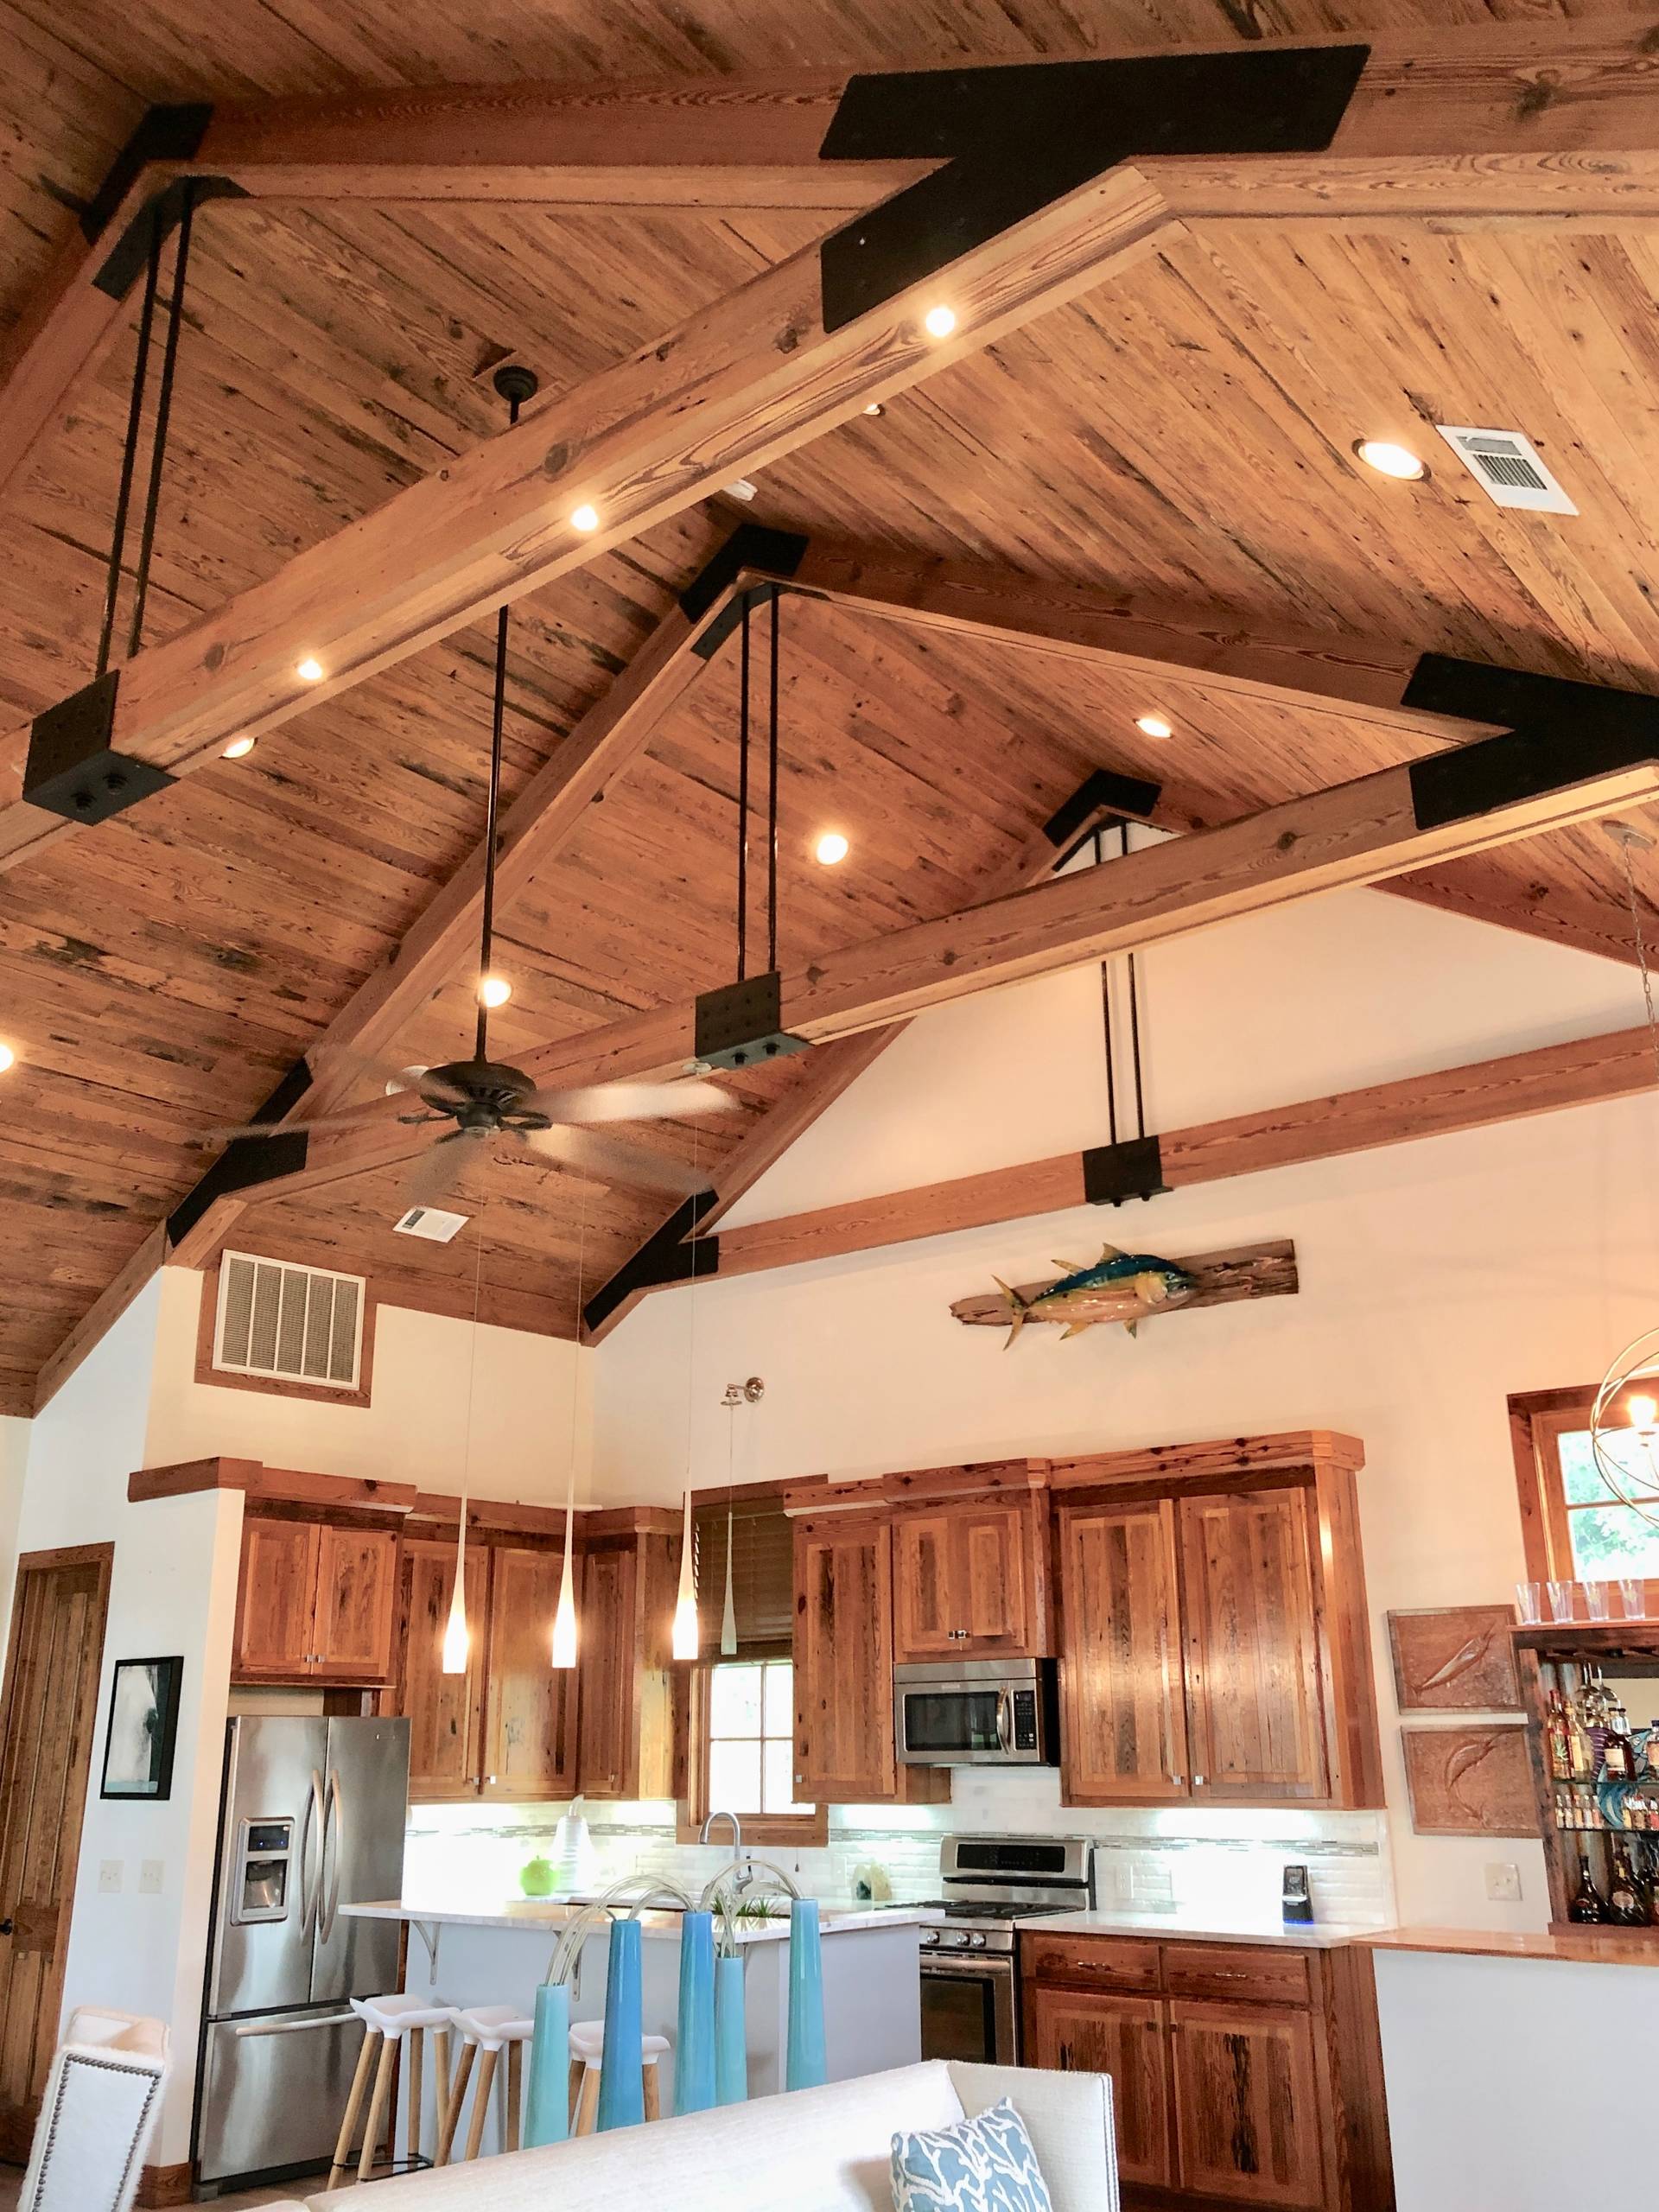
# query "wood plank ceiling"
(1183, 436)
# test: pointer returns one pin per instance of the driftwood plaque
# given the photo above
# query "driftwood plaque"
(1245, 1271)
(1455, 1659)
(1471, 1781)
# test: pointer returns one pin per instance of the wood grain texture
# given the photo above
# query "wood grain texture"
(1470, 1781)
(276, 1600)
(1454, 1657)
(1124, 1737)
(1087, 2032)
(445, 1712)
(1247, 2103)
(530, 1706)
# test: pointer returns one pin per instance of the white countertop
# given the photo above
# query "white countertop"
(556, 1914)
(1318, 1935)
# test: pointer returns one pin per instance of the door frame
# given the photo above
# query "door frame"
(102, 1556)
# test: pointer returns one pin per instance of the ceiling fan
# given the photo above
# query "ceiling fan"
(496, 1108)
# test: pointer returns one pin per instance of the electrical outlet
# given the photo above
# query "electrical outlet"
(1503, 1885)
(109, 1877)
(150, 1871)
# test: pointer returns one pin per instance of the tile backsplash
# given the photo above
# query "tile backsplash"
(1199, 1863)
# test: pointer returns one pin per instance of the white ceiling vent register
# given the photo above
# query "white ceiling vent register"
(1506, 467)
(432, 1222)
(295, 1325)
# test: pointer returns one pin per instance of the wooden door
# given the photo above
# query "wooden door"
(50, 1716)
(1125, 1719)
(1255, 1713)
(992, 1577)
(926, 1599)
(529, 1705)
(1247, 2114)
(1079, 2031)
(444, 1712)
(607, 1729)
(843, 1662)
(275, 1602)
(357, 1604)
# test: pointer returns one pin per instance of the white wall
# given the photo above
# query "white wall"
(416, 1427)
(172, 1589)
(13, 1458)
(1435, 1277)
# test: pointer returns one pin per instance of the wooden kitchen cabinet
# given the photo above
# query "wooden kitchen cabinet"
(1247, 2103)
(626, 1737)
(968, 1583)
(444, 1712)
(529, 1705)
(1088, 2032)
(843, 1662)
(1213, 1633)
(315, 1602)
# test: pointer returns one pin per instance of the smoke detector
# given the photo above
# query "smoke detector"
(431, 1223)
(1506, 466)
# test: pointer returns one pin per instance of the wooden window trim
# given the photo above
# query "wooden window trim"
(273, 1386)
(1537, 1419)
(807, 1831)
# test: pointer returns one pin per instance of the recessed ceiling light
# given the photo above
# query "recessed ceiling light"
(875, 408)
(238, 748)
(939, 322)
(743, 489)
(1390, 460)
(830, 847)
(495, 990)
(1153, 725)
(8, 1058)
(585, 518)
(310, 670)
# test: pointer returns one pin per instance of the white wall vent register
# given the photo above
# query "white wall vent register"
(432, 1222)
(1506, 467)
(295, 1325)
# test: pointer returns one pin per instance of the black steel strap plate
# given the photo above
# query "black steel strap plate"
(72, 769)
(741, 1025)
(1112, 1173)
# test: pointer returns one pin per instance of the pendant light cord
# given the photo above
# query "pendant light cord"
(772, 801)
(744, 654)
(1624, 844)
(497, 725)
(472, 1385)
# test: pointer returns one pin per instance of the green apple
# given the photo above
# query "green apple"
(538, 1878)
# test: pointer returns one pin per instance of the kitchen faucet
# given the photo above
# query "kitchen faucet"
(737, 1840)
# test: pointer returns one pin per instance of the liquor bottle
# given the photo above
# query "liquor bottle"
(1617, 1751)
(1627, 1903)
(1588, 1907)
(1558, 1737)
(1580, 1751)
(1650, 1753)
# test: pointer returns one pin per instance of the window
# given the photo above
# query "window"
(751, 1738)
(1575, 1527)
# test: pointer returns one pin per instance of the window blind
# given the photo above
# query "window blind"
(763, 1572)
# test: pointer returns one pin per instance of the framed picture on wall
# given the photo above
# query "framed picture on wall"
(1451, 1658)
(143, 1725)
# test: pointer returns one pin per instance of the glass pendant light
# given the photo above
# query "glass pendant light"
(686, 1641)
(455, 1637)
(564, 1615)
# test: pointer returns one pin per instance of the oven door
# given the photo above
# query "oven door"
(968, 2009)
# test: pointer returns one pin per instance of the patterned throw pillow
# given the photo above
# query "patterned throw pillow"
(986, 2165)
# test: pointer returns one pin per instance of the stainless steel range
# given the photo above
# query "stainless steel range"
(970, 1993)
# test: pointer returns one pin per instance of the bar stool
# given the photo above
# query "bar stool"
(587, 2048)
(489, 2029)
(389, 2020)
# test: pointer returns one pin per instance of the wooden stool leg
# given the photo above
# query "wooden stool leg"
(515, 2079)
(573, 2090)
(481, 2103)
(353, 2105)
(377, 2106)
(417, 2071)
(653, 2095)
(587, 2102)
(457, 2098)
(440, 2076)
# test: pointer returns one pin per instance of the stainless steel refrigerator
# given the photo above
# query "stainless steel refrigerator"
(312, 1821)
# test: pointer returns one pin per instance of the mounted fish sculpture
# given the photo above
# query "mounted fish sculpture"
(1122, 1286)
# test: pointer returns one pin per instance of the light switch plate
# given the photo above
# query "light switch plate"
(150, 1871)
(109, 1877)
(1503, 1885)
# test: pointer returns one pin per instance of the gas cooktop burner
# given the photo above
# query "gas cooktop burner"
(985, 1909)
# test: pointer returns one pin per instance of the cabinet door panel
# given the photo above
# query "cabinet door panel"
(993, 1577)
(530, 1706)
(605, 1671)
(442, 1710)
(843, 1662)
(1071, 2032)
(1125, 1735)
(276, 1600)
(1247, 2118)
(926, 1601)
(1254, 1711)
(357, 1599)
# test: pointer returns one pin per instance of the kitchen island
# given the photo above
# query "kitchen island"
(479, 1953)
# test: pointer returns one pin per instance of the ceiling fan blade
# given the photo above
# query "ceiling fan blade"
(437, 1171)
(634, 1102)
(372, 1066)
(373, 1113)
(608, 1161)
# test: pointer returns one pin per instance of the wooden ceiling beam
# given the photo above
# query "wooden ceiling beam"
(1488, 121)
(1586, 1072)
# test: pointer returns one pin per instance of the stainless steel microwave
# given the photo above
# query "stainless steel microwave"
(977, 1713)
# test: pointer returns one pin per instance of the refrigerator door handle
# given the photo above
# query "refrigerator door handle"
(310, 1897)
(294, 2027)
(334, 1826)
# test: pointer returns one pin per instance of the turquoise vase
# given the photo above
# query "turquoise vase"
(547, 2100)
(694, 2054)
(621, 2089)
(731, 2033)
(807, 2061)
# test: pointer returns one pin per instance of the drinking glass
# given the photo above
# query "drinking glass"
(1529, 1601)
(1597, 1600)
(1560, 1600)
(1633, 1596)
